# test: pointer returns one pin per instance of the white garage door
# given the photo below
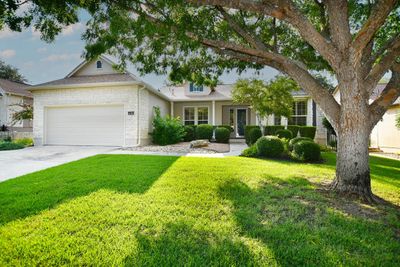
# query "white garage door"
(85, 125)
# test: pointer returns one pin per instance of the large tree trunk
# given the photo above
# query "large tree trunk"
(353, 132)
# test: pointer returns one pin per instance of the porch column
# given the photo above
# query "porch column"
(213, 112)
(172, 109)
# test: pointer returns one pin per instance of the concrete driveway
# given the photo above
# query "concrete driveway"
(19, 162)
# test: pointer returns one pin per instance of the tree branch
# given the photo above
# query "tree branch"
(283, 10)
(389, 44)
(387, 97)
(378, 16)
(384, 65)
(251, 39)
(339, 23)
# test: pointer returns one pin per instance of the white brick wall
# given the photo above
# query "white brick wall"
(125, 95)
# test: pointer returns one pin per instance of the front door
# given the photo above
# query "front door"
(241, 121)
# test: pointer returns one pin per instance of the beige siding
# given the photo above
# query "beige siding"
(385, 135)
(156, 101)
(91, 69)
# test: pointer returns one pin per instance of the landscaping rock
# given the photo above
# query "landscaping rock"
(199, 143)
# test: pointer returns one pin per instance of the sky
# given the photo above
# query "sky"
(41, 62)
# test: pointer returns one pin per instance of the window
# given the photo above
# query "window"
(299, 113)
(189, 116)
(195, 115)
(202, 115)
(99, 64)
(195, 88)
(277, 120)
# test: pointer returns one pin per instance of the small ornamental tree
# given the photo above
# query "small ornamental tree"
(24, 112)
(266, 99)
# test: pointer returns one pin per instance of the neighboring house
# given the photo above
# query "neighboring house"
(11, 94)
(201, 105)
(385, 135)
(96, 105)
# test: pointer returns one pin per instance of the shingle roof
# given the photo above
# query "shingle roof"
(105, 78)
(221, 92)
(15, 87)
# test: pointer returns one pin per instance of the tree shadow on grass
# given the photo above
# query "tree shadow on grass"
(180, 244)
(302, 229)
(29, 194)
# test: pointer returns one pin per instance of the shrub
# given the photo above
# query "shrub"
(272, 129)
(190, 133)
(284, 134)
(166, 130)
(222, 135)
(295, 140)
(333, 143)
(227, 127)
(247, 129)
(204, 131)
(24, 141)
(254, 135)
(269, 146)
(10, 146)
(306, 151)
(250, 151)
(308, 131)
(294, 129)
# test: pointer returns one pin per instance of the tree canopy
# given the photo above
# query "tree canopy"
(8, 72)
(266, 99)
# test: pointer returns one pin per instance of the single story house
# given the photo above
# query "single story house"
(12, 94)
(97, 105)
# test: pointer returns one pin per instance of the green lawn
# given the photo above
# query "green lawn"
(162, 211)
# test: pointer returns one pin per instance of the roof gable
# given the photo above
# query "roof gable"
(15, 88)
(90, 68)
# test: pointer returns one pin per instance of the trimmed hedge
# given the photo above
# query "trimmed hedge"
(306, 151)
(222, 135)
(10, 146)
(294, 129)
(204, 131)
(230, 129)
(190, 133)
(254, 135)
(269, 146)
(284, 134)
(272, 129)
(296, 140)
(308, 131)
(251, 151)
(247, 129)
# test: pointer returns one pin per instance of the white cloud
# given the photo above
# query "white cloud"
(60, 57)
(41, 49)
(8, 53)
(7, 33)
(71, 29)
(35, 33)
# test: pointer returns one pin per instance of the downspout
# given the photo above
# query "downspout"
(138, 116)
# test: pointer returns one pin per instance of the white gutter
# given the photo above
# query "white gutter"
(138, 116)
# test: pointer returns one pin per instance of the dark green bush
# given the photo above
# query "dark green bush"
(247, 129)
(308, 131)
(254, 135)
(251, 151)
(10, 146)
(295, 140)
(190, 133)
(306, 151)
(272, 129)
(222, 135)
(269, 146)
(7, 139)
(227, 127)
(166, 130)
(284, 134)
(294, 129)
(204, 131)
